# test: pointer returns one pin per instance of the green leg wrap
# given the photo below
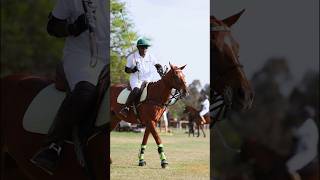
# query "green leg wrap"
(142, 150)
(161, 152)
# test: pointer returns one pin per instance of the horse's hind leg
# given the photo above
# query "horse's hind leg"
(204, 134)
(198, 128)
(142, 162)
(156, 137)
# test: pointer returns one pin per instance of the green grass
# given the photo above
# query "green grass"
(188, 157)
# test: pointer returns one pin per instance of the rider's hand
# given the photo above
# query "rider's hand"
(80, 25)
(135, 69)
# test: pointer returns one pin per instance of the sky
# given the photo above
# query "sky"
(273, 28)
(179, 32)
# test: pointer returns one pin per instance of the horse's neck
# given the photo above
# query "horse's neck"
(160, 91)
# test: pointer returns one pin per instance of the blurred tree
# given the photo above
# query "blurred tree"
(26, 46)
(194, 94)
(122, 41)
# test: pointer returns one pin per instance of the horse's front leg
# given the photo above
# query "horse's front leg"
(156, 137)
(142, 162)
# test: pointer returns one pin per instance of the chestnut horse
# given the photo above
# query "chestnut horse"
(194, 116)
(227, 77)
(17, 92)
(150, 110)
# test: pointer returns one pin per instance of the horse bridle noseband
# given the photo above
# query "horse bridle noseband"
(222, 102)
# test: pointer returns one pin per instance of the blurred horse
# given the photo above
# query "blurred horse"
(267, 164)
(18, 144)
(149, 111)
(227, 77)
(194, 117)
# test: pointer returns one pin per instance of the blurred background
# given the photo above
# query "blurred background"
(26, 46)
(279, 48)
(178, 32)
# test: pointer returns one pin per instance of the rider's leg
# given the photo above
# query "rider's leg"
(131, 99)
(76, 107)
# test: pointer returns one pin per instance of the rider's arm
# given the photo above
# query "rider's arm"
(131, 70)
(59, 24)
(131, 67)
(308, 137)
(61, 28)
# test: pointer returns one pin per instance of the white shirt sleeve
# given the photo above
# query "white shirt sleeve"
(308, 136)
(130, 61)
(62, 9)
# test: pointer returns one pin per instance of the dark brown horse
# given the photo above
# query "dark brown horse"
(151, 109)
(17, 92)
(194, 116)
(227, 76)
(267, 164)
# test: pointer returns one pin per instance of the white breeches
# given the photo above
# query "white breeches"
(77, 68)
(204, 111)
(135, 82)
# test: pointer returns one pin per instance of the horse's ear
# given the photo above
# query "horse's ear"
(171, 65)
(232, 19)
(182, 67)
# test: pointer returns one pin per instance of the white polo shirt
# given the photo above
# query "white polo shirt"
(76, 53)
(205, 108)
(307, 146)
(147, 70)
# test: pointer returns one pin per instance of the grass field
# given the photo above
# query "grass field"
(188, 157)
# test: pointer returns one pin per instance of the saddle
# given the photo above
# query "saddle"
(124, 94)
(36, 121)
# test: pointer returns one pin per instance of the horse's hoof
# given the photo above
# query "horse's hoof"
(142, 163)
(164, 164)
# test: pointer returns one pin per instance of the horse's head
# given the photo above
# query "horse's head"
(187, 110)
(176, 79)
(226, 70)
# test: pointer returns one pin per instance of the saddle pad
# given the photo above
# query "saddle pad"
(123, 96)
(44, 107)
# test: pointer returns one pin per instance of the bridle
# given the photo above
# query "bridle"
(176, 95)
(222, 28)
(221, 102)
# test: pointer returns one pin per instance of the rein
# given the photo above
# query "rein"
(174, 98)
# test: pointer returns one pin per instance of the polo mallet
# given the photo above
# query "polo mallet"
(125, 28)
(92, 35)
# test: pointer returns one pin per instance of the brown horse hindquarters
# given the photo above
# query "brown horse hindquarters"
(152, 109)
(16, 94)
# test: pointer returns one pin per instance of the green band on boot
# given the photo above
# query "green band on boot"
(141, 157)
(161, 145)
(143, 146)
(162, 156)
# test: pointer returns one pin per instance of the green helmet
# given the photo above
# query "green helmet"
(143, 42)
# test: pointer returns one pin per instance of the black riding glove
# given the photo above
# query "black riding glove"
(131, 70)
(159, 69)
(79, 26)
(135, 69)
